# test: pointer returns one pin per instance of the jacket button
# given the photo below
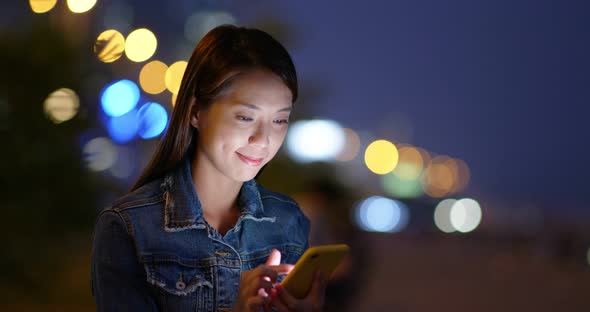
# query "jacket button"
(180, 285)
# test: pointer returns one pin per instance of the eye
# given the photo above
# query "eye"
(243, 118)
(281, 121)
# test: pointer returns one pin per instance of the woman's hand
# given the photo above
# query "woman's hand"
(314, 301)
(256, 284)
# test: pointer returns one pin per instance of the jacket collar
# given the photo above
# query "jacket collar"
(182, 207)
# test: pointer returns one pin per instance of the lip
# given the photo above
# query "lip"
(250, 161)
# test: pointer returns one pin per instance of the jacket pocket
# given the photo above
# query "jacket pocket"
(184, 284)
(176, 276)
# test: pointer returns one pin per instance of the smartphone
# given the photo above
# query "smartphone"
(324, 258)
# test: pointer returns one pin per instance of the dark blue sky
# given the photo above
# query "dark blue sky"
(502, 84)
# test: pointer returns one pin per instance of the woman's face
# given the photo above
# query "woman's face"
(245, 125)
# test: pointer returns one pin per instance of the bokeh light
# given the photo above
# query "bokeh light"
(140, 45)
(42, 6)
(439, 177)
(173, 76)
(119, 98)
(380, 214)
(100, 154)
(315, 140)
(463, 176)
(152, 120)
(152, 77)
(465, 215)
(109, 46)
(411, 163)
(352, 145)
(80, 6)
(61, 105)
(401, 188)
(123, 129)
(199, 23)
(173, 99)
(381, 157)
(442, 215)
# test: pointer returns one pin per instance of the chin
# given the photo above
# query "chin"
(245, 176)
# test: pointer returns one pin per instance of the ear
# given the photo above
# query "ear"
(194, 111)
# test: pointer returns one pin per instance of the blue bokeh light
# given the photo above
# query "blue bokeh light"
(119, 98)
(124, 128)
(380, 214)
(153, 119)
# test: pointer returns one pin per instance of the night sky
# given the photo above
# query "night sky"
(501, 84)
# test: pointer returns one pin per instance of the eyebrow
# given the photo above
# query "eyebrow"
(254, 107)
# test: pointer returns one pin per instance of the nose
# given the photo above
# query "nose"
(260, 137)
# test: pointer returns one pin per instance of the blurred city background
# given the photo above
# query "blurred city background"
(446, 142)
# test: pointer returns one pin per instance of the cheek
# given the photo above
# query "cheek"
(232, 138)
(277, 140)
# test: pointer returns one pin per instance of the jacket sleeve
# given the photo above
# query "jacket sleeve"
(118, 280)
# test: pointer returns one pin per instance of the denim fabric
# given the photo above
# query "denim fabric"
(154, 251)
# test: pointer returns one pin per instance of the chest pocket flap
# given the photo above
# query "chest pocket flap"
(176, 276)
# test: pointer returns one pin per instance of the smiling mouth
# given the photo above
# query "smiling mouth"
(250, 161)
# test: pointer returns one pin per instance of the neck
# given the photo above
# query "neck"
(218, 193)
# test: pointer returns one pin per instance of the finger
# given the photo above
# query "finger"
(262, 292)
(272, 271)
(274, 258)
(318, 290)
(318, 286)
(285, 297)
(263, 285)
(255, 302)
(282, 268)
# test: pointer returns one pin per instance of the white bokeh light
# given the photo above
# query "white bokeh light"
(100, 154)
(380, 214)
(315, 140)
(442, 215)
(465, 215)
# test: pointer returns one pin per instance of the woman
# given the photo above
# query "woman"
(197, 232)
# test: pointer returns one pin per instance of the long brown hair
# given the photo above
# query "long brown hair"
(223, 51)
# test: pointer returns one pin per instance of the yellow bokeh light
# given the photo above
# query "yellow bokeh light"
(81, 6)
(173, 100)
(174, 76)
(381, 157)
(411, 163)
(42, 6)
(439, 177)
(352, 145)
(109, 46)
(152, 76)
(61, 105)
(140, 45)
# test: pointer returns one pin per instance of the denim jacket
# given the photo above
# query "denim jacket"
(154, 251)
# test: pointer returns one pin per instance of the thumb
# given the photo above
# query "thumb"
(274, 258)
